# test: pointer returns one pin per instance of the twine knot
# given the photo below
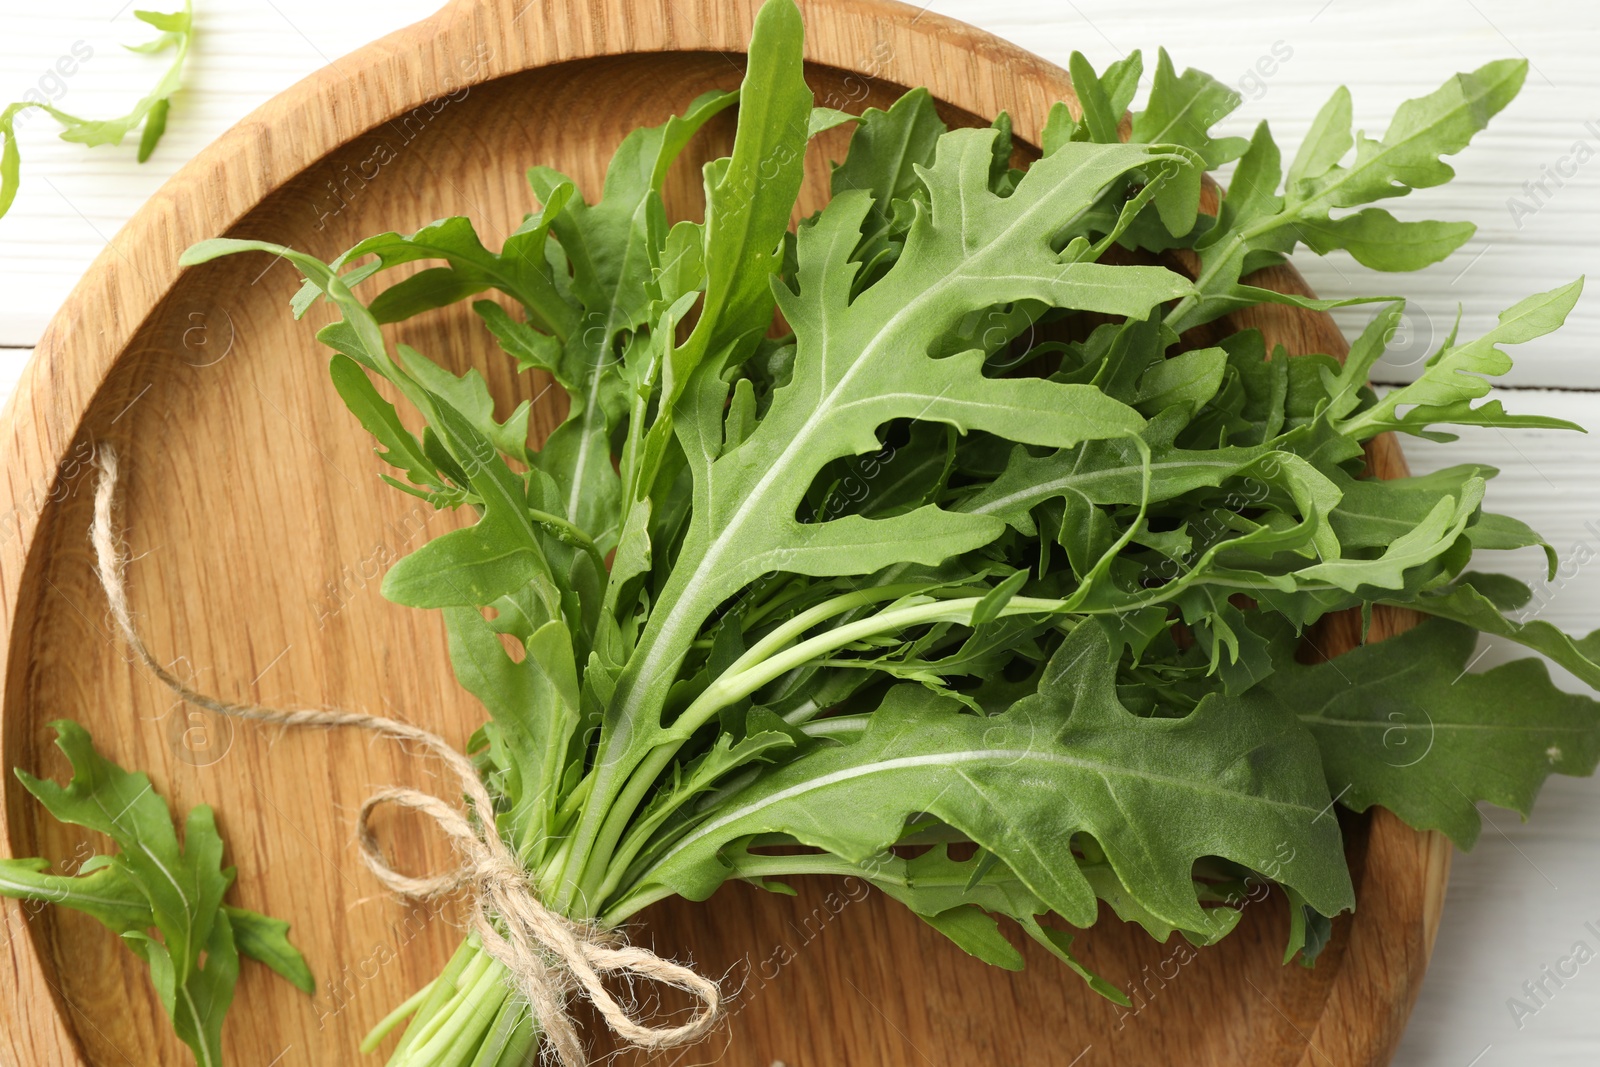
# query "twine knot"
(548, 956)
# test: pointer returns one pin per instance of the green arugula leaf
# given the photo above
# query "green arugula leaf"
(1070, 759)
(1400, 723)
(885, 152)
(1258, 223)
(100, 890)
(856, 367)
(266, 940)
(1450, 382)
(1182, 111)
(1483, 602)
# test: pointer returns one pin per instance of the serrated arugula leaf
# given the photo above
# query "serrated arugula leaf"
(1111, 472)
(1376, 239)
(1069, 759)
(1485, 602)
(1183, 109)
(534, 706)
(1258, 221)
(1374, 513)
(615, 248)
(100, 890)
(749, 198)
(1422, 131)
(960, 900)
(1097, 121)
(885, 152)
(266, 940)
(400, 447)
(162, 897)
(477, 565)
(515, 555)
(1327, 141)
(857, 365)
(1401, 723)
(1452, 379)
(1435, 534)
(521, 270)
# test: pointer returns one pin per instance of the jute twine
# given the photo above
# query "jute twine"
(548, 956)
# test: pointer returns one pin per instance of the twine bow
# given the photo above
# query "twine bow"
(548, 956)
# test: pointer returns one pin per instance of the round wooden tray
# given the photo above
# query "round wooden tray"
(261, 531)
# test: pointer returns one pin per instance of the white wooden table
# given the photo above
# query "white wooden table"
(1521, 900)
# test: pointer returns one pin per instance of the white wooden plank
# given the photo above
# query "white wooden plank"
(1517, 903)
(12, 360)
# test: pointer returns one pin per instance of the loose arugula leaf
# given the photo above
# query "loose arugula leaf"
(99, 890)
(152, 883)
(177, 33)
(266, 940)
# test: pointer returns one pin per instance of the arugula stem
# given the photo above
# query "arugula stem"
(767, 608)
(623, 807)
(625, 863)
(468, 1016)
(784, 634)
(552, 879)
(1176, 318)
(836, 727)
(448, 1016)
(749, 673)
(569, 534)
(739, 681)
(396, 1017)
(441, 990)
(755, 867)
(512, 1040)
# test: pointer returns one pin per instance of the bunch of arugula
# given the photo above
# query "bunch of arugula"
(163, 897)
(982, 580)
(149, 115)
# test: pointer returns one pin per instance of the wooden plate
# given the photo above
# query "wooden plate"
(261, 531)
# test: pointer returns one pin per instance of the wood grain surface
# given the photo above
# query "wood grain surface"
(260, 531)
